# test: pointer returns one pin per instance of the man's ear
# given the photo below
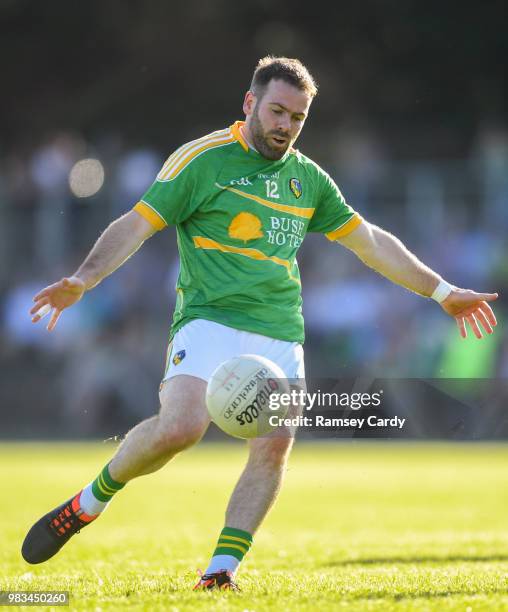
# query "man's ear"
(249, 103)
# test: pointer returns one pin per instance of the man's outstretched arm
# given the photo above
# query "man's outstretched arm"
(116, 244)
(387, 255)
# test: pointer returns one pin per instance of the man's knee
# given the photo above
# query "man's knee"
(183, 418)
(177, 437)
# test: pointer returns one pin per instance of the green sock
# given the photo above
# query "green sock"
(231, 548)
(104, 486)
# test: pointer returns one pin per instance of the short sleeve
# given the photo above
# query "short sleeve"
(175, 194)
(333, 216)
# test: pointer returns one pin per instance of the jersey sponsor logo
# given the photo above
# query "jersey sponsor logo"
(284, 230)
(245, 226)
(296, 187)
(179, 357)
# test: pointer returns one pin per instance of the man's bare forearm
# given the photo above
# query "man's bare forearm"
(386, 254)
(117, 243)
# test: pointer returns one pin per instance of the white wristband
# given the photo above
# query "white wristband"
(442, 291)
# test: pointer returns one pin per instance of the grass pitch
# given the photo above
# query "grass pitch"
(358, 526)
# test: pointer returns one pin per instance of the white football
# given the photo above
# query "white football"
(238, 395)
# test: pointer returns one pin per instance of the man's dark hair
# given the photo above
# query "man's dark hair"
(285, 69)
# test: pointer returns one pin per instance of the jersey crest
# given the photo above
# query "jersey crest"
(296, 187)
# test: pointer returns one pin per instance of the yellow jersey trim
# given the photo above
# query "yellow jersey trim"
(200, 242)
(346, 228)
(237, 133)
(150, 214)
(185, 148)
(306, 213)
(187, 153)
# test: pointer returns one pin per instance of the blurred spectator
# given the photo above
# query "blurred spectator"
(359, 159)
(468, 358)
(106, 386)
(50, 167)
(135, 171)
(491, 158)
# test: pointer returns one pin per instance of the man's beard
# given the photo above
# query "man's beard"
(260, 140)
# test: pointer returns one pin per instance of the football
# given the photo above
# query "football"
(238, 396)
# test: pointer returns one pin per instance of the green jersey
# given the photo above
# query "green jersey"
(240, 220)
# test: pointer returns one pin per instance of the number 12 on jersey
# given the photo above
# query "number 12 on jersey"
(271, 189)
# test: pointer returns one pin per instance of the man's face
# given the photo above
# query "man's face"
(276, 119)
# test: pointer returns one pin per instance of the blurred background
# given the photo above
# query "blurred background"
(410, 120)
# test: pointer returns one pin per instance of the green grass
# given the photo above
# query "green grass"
(358, 526)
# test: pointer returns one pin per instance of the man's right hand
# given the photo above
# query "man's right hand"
(58, 297)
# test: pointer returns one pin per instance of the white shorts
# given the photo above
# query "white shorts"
(200, 346)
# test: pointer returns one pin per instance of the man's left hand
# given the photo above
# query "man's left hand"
(466, 305)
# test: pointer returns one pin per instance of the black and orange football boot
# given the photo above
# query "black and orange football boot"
(221, 580)
(53, 530)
